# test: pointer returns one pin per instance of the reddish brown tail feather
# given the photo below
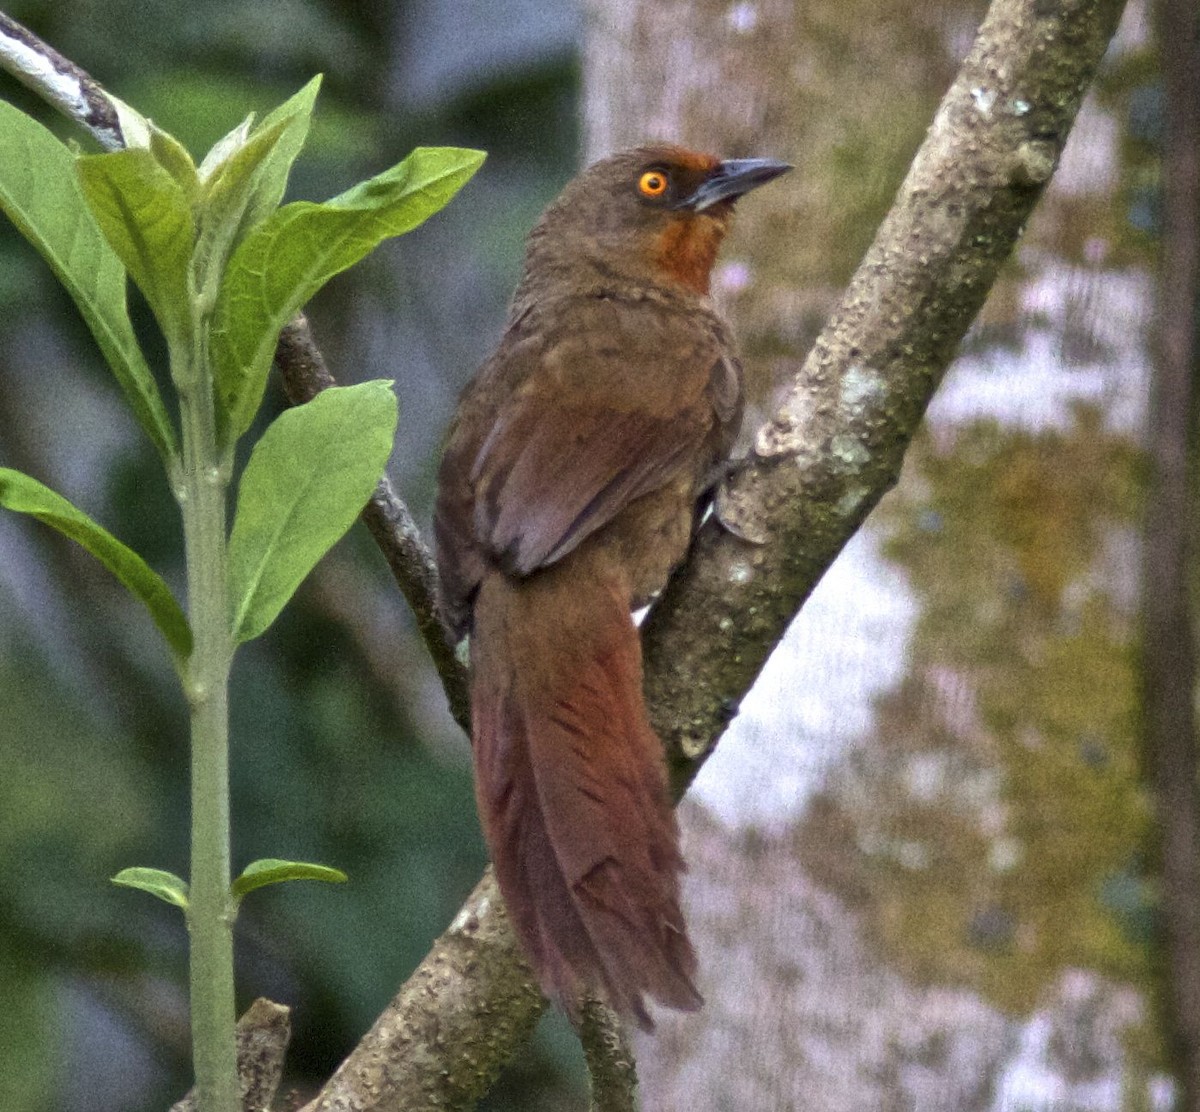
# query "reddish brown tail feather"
(571, 789)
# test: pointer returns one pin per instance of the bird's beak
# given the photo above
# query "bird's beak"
(731, 179)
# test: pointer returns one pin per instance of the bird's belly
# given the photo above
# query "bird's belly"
(651, 535)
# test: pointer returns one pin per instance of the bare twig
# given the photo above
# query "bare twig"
(60, 82)
(262, 1039)
(304, 376)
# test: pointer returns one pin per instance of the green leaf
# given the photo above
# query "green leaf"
(224, 149)
(303, 486)
(173, 157)
(158, 882)
(271, 870)
(135, 128)
(226, 196)
(146, 216)
(142, 133)
(40, 194)
(295, 251)
(244, 177)
(25, 495)
(295, 114)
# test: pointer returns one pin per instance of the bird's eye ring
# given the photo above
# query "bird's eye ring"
(653, 183)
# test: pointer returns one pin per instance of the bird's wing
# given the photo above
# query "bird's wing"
(601, 423)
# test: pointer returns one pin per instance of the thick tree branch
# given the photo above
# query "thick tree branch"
(819, 465)
(457, 1020)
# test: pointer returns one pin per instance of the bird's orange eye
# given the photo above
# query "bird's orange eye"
(653, 183)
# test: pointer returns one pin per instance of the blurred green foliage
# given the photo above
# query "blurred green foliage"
(342, 750)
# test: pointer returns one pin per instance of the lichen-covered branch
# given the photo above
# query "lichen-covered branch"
(609, 1056)
(457, 1020)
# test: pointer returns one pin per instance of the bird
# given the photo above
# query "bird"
(578, 462)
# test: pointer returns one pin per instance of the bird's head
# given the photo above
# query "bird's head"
(656, 212)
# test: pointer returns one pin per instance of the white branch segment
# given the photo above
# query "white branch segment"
(60, 82)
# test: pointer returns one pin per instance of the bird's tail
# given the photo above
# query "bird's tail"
(571, 787)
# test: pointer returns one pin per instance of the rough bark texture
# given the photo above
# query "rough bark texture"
(1169, 660)
(262, 1040)
(458, 1019)
(610, 1061)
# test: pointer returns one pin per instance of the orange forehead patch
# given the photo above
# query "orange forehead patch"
(694, 161)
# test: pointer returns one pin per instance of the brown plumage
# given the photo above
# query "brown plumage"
(577, 462)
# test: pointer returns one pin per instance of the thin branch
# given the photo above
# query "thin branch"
(305, 375)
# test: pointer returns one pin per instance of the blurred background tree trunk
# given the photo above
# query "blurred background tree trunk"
(777, 79)
(1171, 573)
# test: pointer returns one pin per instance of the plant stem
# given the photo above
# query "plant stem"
(210, 911)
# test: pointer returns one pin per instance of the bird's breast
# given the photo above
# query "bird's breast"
(686, 249)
